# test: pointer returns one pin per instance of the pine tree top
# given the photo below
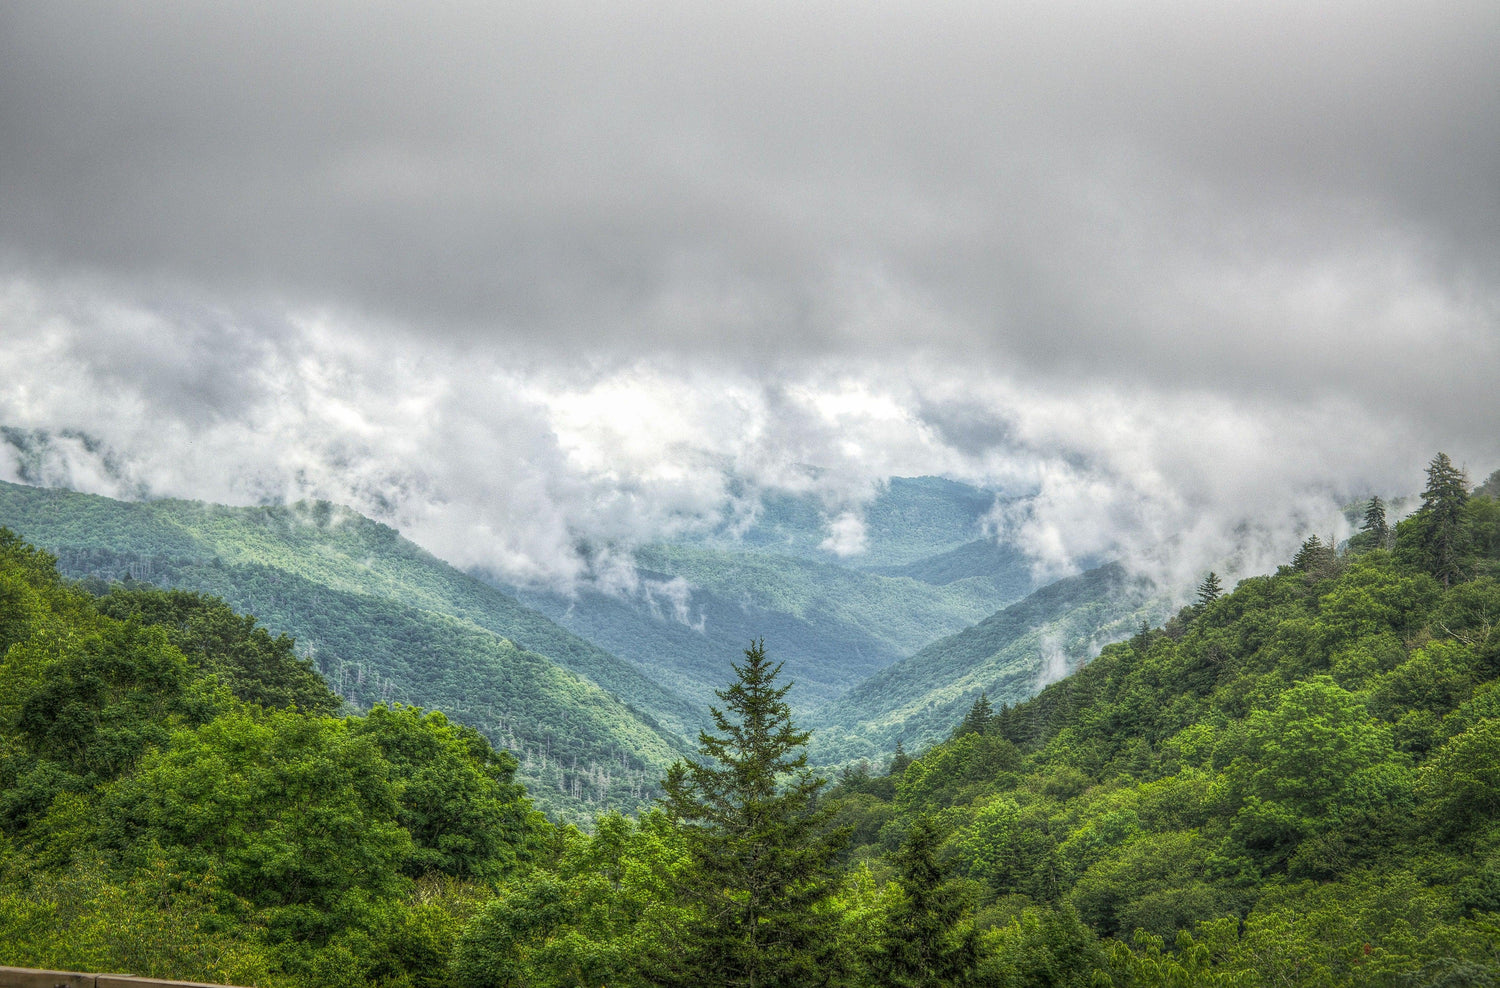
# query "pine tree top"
(1210, 589)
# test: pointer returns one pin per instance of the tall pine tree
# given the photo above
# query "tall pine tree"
(762, 851)
(1442, 518)
(1375, 523)
(977, 720)
(1210, 589)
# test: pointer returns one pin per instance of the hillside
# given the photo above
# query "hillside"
(1294, 783)
(175, 801)
(695, 608)
(926, 570)
(1009, 655)
(384, 620)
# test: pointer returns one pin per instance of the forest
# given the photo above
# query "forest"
(1292, 782)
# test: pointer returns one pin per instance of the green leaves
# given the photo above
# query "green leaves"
(293, 810)
(256, 667)
(458, 800)
(762, 852)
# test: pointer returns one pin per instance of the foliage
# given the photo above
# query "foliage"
(1444, 539)
(1290, 783)
(382, 620)
(762, 853)
(927, 937)
(151, 820)
(1210, 590)
(256, 667)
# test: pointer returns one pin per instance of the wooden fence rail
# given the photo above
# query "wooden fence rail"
(26, 977)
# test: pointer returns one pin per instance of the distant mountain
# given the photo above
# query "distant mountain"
(1010, 655)
(1005, 566)
(909, 519)
(695, 609)
(384, 620)
(926, 571)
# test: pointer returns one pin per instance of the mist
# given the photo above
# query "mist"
(527, 278)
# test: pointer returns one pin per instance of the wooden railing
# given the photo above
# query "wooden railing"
(26, 977)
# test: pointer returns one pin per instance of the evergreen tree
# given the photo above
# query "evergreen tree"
(1375, 522)
(926, 941)
(1313, 557)
(762, 851)
(1442, 518)
(1210, 589)
(899, 760)
(977, 720)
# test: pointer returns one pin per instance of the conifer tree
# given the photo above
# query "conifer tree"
(1375, 522)
(1210, 589)
(977, 720)
(1313, 556)
(899, 760)
(1142, 639)
(762, 851)
(1442, 518)
(926, 942)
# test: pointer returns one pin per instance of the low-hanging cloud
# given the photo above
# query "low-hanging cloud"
(536, 282)
(547, 473)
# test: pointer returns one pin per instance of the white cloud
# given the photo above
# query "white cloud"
(547, 470)
(846, 535)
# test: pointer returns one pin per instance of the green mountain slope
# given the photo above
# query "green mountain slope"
(1295, 783)
(1004, 565)
(832, 626)
(1010, 655)
(385, 620)
(176, 801)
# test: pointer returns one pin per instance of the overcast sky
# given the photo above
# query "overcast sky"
(508, 274)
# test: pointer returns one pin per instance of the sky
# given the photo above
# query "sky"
(514, 277)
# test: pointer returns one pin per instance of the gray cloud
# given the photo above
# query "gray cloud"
(511, 274)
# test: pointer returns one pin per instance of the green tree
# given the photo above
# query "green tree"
(256, 667)
(1375, 523)
(1442, 515)
(466, 815)
(1314, 557)
(927, 940)
(762, 851)
(594, 919)
(899, 759)
(1210, 589)
(296, 814)
(977, 720)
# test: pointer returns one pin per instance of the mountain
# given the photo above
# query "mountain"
(1006, 566)
(695, 609)
(926, 571)
(1010, 655)
(385, 620)
(909, 518)
(1294, 783)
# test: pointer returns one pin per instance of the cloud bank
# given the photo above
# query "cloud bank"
(519, 277)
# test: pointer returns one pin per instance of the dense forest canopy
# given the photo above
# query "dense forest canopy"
(386, 622)
(1296, 781)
